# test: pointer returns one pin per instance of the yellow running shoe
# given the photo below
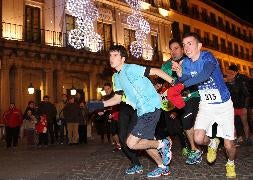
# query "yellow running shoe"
(212, 150)
(230, 168)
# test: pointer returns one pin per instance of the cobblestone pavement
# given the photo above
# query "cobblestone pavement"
(97, 161)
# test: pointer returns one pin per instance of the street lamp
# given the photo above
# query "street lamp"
(72, 90)
(30, 88)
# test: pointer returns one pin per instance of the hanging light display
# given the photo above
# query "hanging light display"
(84, 35)
(142, 28)
(147, 53)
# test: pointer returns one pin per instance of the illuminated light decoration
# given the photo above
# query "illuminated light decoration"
(84, 35)
(145, 5)
(85, 25)
(144, 25)
(136, 49)
(91, 12)
(140, 35)
(133, 21)
(77, 39)
(142, 28)
(94, 42)
(147, 53)
(163, 12)
(135, 4)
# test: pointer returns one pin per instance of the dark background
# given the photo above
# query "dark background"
(241, 8)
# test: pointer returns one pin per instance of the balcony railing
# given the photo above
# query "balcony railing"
(52, 38)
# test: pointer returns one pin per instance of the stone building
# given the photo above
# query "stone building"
(34, 47)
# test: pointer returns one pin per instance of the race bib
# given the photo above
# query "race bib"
(210, 96)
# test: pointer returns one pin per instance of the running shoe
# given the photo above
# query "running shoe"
(185, 152)
(166, 151)
(134, 169)
(195, 157)
(157, 172)
(212, 150)
(230, 168)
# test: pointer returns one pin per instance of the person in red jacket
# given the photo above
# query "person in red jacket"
(12, 121)
(41, 129)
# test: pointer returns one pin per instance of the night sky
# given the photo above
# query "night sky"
(241, 8)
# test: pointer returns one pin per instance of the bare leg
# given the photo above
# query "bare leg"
(245, 123)
(154, 154)
(230, 149)
(200, 137)
(190, 136)
(137, 143)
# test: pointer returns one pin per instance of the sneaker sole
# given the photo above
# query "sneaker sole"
(164, 174)
(136, 172)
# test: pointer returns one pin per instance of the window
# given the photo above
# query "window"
(228, 26)
(204, 15)
(175, 30)
(154, 42)
(173, 4)
(233, 29)
(220, 22)
(184, 5)
(230, 49)
(70, 23)
(223, 44)
(195, 11)
(239, 31)
(247, 53)
(32, 24)
(105, 31)
(206, 39)
(186, 29)
(212, 18)
(241, 52)
(129, 37)
(215, 42)
(196, 30)
(236, 50)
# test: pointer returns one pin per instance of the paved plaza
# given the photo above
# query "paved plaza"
(97, 161)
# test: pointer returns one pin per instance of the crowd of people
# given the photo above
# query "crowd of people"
(188, 97)
(47, 123)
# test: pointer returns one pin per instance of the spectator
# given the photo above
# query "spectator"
(12, 120)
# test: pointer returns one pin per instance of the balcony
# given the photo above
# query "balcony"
(38, 38)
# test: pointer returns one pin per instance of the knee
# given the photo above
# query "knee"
(130, 144)
(229, 144)
(198, 138)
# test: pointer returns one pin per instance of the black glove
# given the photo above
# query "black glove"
(95, 105)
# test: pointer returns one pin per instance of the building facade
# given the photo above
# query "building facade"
(34, 47)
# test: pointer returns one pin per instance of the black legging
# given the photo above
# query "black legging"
(167, 126)
(12, 134)
(127, 120)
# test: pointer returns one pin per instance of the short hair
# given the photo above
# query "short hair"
(108, 84)
(192, 34)
(175, 41)
(46, 96)
(121, 49)
(233, 67)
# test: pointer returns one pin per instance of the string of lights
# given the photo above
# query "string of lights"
(84, 35)
(140, 47)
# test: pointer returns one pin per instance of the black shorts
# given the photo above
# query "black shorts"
(114, 127)
(189, 113)
(146, 125)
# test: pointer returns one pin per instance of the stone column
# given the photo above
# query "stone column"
(19, 91)
(60, 79)
(92, 86)
(5, 89)
(49, 84)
